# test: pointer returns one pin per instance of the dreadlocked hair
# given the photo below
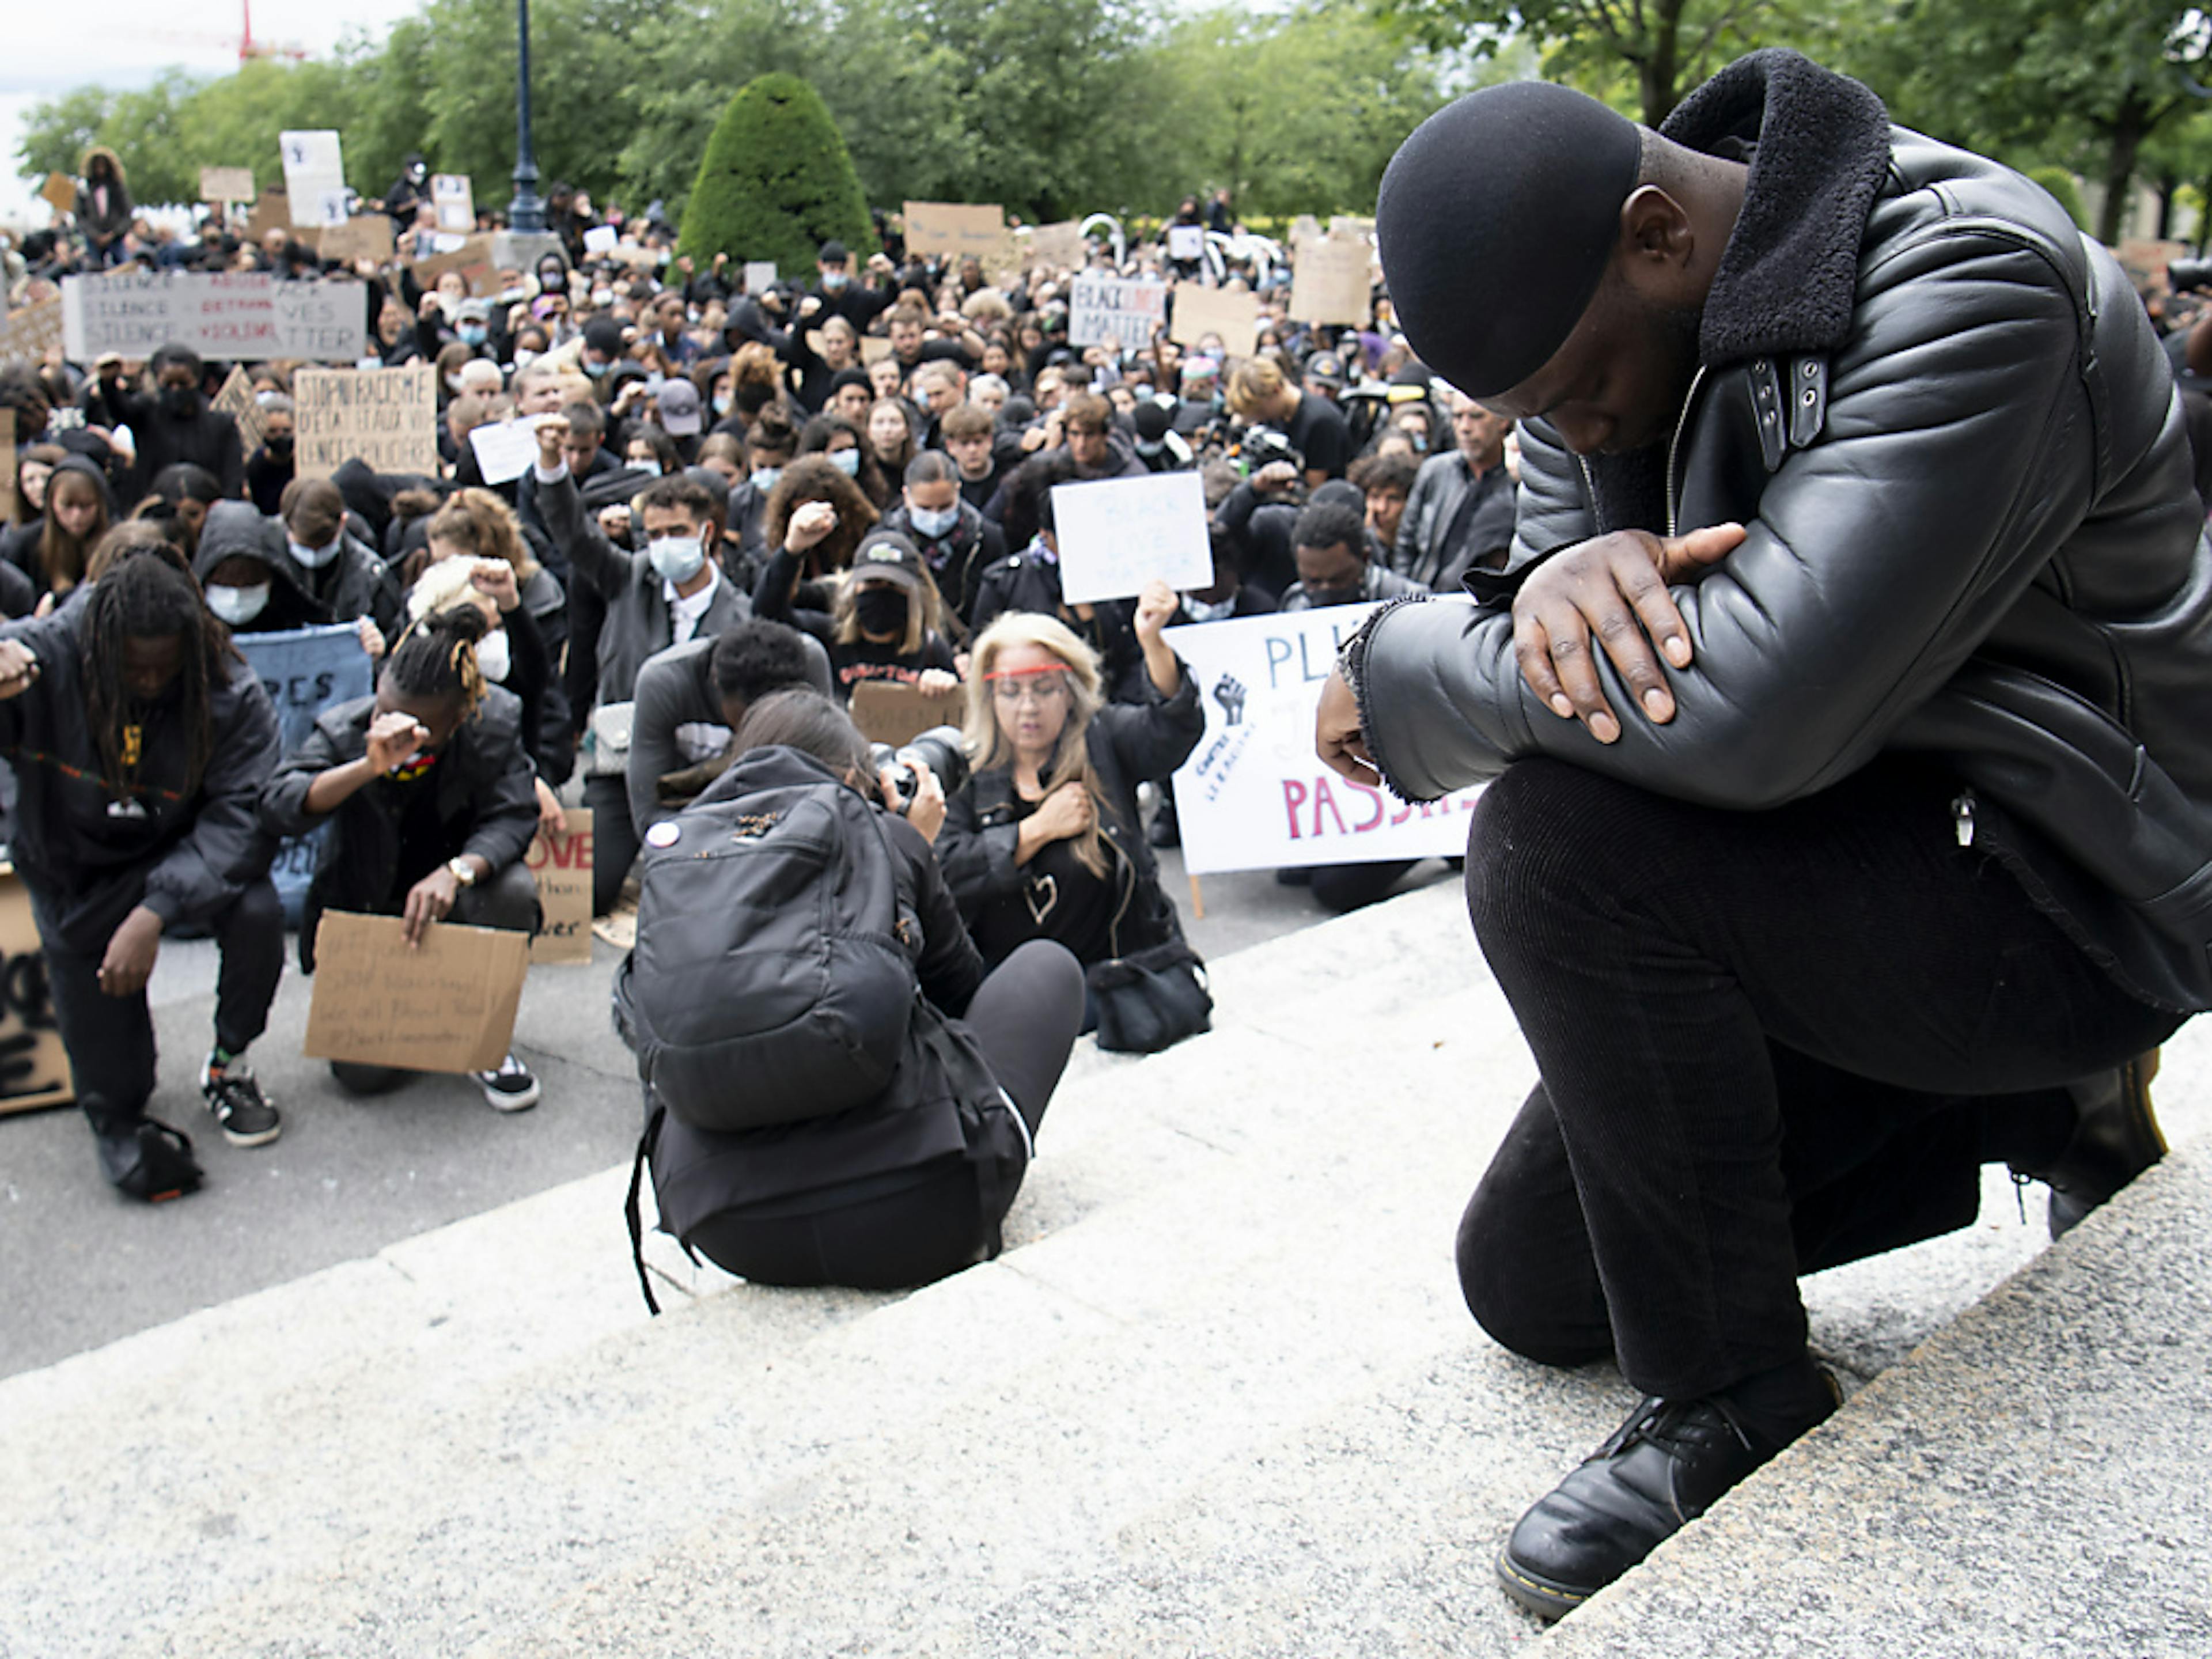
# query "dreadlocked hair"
(143, 595)
(436, 658)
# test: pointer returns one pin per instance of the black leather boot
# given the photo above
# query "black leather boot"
(1662, 1467)
(2115, 1139)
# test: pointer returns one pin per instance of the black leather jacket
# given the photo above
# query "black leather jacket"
(1972, 536)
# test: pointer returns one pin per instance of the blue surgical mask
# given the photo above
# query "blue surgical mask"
(315, 558)
(764, 477)
(725, 403)
(933, 523)
(676, 558)
(847, 461)
(473, 333)
(834, 281)
(597, 371)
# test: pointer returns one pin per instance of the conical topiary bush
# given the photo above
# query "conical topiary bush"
(775, 182)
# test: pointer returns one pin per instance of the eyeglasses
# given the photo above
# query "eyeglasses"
(1038, 690)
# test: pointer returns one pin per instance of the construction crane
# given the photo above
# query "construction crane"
(248, 47)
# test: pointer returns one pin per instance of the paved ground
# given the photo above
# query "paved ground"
(82, 1266)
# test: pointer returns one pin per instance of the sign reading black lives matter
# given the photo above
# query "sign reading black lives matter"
(1109, 311)
(386, 417)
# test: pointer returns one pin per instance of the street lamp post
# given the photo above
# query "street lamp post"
(527, 212)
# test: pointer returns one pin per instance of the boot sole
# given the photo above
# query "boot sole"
(1547, 1598)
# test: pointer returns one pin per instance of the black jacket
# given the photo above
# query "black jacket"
(237, 529)
(675, 690)
(1127, 743)
(1941, 415)
(200, 849)
(486, 803)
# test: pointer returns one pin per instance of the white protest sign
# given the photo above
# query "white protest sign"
(505, 450)
(1109, 311)
(387, 417)
(456, 201)
(1117, 534)
(601, 239)
(760, 276)
(315, 176)
(1187, 243)
(245, 316)
(1253, 795)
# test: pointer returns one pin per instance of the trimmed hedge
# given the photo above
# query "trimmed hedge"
(775, 182)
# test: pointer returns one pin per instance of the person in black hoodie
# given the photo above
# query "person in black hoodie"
(428, 791)
(140, 742)
(249, 582)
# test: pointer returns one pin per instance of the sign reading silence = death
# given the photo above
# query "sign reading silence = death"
(243, 316)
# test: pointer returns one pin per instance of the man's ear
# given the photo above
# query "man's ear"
(1655, 227)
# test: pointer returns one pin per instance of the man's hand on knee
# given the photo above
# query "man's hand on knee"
(1611, 591)
(131, 949)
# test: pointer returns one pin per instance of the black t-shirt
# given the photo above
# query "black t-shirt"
(1318, 433)
(1058, 899)
(423, 844)
(864, 659)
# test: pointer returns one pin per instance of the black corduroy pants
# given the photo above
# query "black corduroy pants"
(1769, 1042)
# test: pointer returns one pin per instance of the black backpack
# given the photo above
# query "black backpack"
(771, 982)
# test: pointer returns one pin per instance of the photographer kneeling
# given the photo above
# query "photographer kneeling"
(827, 1065)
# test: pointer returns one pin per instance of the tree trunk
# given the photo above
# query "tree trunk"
(2127, 129)
(2168, 185)
(1655, 72)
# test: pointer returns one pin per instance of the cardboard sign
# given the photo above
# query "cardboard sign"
(1200, 311)
(315, 177)
(33, 331)
(760, 276)
(505, 450)
(272, 212)
(305, 670)
(955, 228)
(455, 198)
(1187, 243)
(1253, 795)
(1332, 282)
(1117, 534)
(1304, 228)
(242, 316)
(236, 399)
(1057, 247)
(364, 236)
(887, 712)
(562, 867)
(1107, 311)
(446, 1005)
(472, 259)
(1350, 226)
(223, 186)
(387, 417)
(873, 348)
(34, 1069)
(60, 192)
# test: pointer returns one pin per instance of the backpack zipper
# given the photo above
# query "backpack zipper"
(1962, 816)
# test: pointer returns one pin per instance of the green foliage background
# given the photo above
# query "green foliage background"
(775, 182)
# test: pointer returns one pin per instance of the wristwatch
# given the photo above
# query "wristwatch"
(464, 872)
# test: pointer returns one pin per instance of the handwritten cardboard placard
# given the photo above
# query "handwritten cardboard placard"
(1332, 282)
(33, 331)
(455, 198)
(227, 184)
(387, 417)
(957, 228)
(315, 176)
(306, 672)
(472, 259)
(1252, 796)
(34, 1069)
(562, 867)
(1117, 534)
(363, 236)
(874, 348)
(887, 712)
(1056, 246)
(1105, 310)
(1200, 311)
(60, 192)
(272, 211)
(236, 399)
(237, 314)
(446, 1005)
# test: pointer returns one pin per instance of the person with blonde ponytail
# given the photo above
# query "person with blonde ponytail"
(428, 792)
(1044, 841)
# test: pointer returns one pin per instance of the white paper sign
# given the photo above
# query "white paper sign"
(601, 239)
(1253, 795)
(760, 276)
(505, 450)
(1187, 243)
(314, 171)
(1107, 311)
(1117, 534)
(455, 200)
(240, 315)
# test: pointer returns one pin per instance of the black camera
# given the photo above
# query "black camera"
(2184, 274)
(940, 749)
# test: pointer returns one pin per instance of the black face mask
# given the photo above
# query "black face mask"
(181, 403)
(880, 610)
(278, 448)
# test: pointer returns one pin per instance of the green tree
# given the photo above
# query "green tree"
(775, 182)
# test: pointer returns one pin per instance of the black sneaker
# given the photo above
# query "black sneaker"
(511, 1088)
(235, 1099)
(2115, 1139)
(149, 1161)
(1664, 1467)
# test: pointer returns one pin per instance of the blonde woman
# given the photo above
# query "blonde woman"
(1043, 841)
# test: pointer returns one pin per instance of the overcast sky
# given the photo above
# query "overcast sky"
(126, 42)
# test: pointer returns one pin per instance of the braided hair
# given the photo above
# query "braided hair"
(436, 658)
(143, 595)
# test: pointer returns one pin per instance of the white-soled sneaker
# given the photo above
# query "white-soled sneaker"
(512, 1088)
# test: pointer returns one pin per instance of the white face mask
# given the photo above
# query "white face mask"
(847, 461)
(315, 558)
(237, 606)
(453, 383)
(493, 656)
(933, 522)
(676, 558)
(645, 464)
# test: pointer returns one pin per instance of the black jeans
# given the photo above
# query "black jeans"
(1769, 1042)
(111, 1039)
(614, 837)
(889, 1234)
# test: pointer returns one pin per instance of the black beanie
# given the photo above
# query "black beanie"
(1496, 222)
